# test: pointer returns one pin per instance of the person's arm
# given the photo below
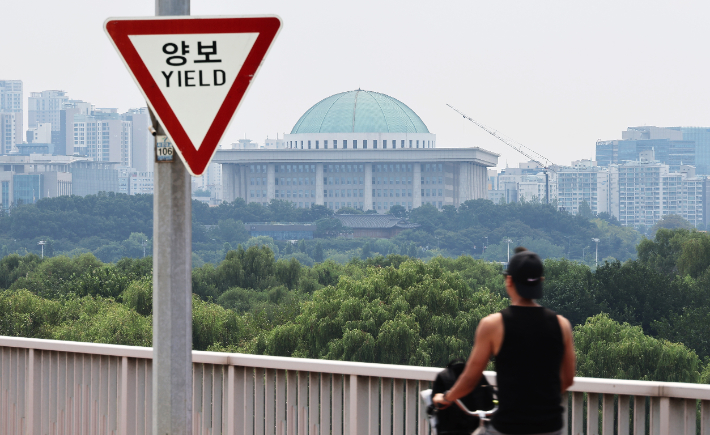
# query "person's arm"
(477, 361)
(569, 360)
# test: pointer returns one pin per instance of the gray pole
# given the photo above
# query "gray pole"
(172, 284)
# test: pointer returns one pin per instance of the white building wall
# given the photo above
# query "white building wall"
(579, 184)
(8, 133)
(11, 101)
(142, 148)
(460, 175)
(44, 107)
(40, 134)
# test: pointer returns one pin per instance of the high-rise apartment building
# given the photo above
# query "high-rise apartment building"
(103, 136)
(64, 143)
(8, 134)
(586, 182)
(11, 102)
(528, 182)
(648, 190)
(142, 141)
(43, 107)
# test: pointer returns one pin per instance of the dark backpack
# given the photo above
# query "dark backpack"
(453, 420)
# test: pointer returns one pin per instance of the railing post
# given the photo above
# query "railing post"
(623, 414)
(608, 414)
(346, 405)
(639, 415)
(34, 396)
(705, 417)
(374, 405)
(577, 413)
(655, 417)
(665, 416)
(671, 416)
(592, 414)
(338, 404)
(359, 409)
(565, 413)
(291, 391)
(689, 417)
(229, 406)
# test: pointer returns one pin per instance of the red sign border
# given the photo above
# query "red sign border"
(119, 29)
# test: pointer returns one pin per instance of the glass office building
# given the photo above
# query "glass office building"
(701, 137)
(27, 188)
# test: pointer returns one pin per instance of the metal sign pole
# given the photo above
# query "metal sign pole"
(172, 283)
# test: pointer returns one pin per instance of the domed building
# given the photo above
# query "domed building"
(360, 120)
(358, 149)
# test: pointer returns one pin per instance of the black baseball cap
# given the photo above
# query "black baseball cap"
(527, 270)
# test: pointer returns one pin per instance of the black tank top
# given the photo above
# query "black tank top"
(528, 372)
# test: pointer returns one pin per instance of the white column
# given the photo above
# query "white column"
(368, 205)
(244, 193)
(228, 184)
(464, 183)
(270, 183)
(319, 183)
(417, 186)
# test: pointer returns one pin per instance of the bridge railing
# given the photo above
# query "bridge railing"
(58, 387)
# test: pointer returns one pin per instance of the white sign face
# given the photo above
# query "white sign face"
(194, 73)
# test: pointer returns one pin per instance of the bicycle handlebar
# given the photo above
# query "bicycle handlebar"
(478, 413)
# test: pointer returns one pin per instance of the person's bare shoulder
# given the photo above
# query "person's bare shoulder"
(565, 325)
(490, 324)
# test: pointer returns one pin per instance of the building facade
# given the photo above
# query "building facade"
(40, 134)
(357, 149)
(648, 190)
(701, 137)
(8, 134)
(670, 147)
(528, 182)
(287, 231)
(44, 107)
(103, 136)
(11, 102)
(583, 182)
(133, 182)
(27, 179)
(64, 138)
(142, 151)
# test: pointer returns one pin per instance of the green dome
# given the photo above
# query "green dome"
(360, 112)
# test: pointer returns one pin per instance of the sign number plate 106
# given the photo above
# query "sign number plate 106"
(163, 149)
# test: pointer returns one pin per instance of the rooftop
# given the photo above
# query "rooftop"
(370, 221)
(360, 112)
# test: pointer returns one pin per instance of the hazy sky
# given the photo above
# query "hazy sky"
(553, 75)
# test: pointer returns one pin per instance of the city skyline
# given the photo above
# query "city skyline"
(552, 76)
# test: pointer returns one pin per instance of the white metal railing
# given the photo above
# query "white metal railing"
(60, 387)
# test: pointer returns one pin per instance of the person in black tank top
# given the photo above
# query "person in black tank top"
(534, 356)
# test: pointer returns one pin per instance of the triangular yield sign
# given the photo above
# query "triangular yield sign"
(193, 72)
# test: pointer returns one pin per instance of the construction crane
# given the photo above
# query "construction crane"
(547, 166)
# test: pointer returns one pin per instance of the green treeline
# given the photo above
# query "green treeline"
(643, 319)
(114, 226)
